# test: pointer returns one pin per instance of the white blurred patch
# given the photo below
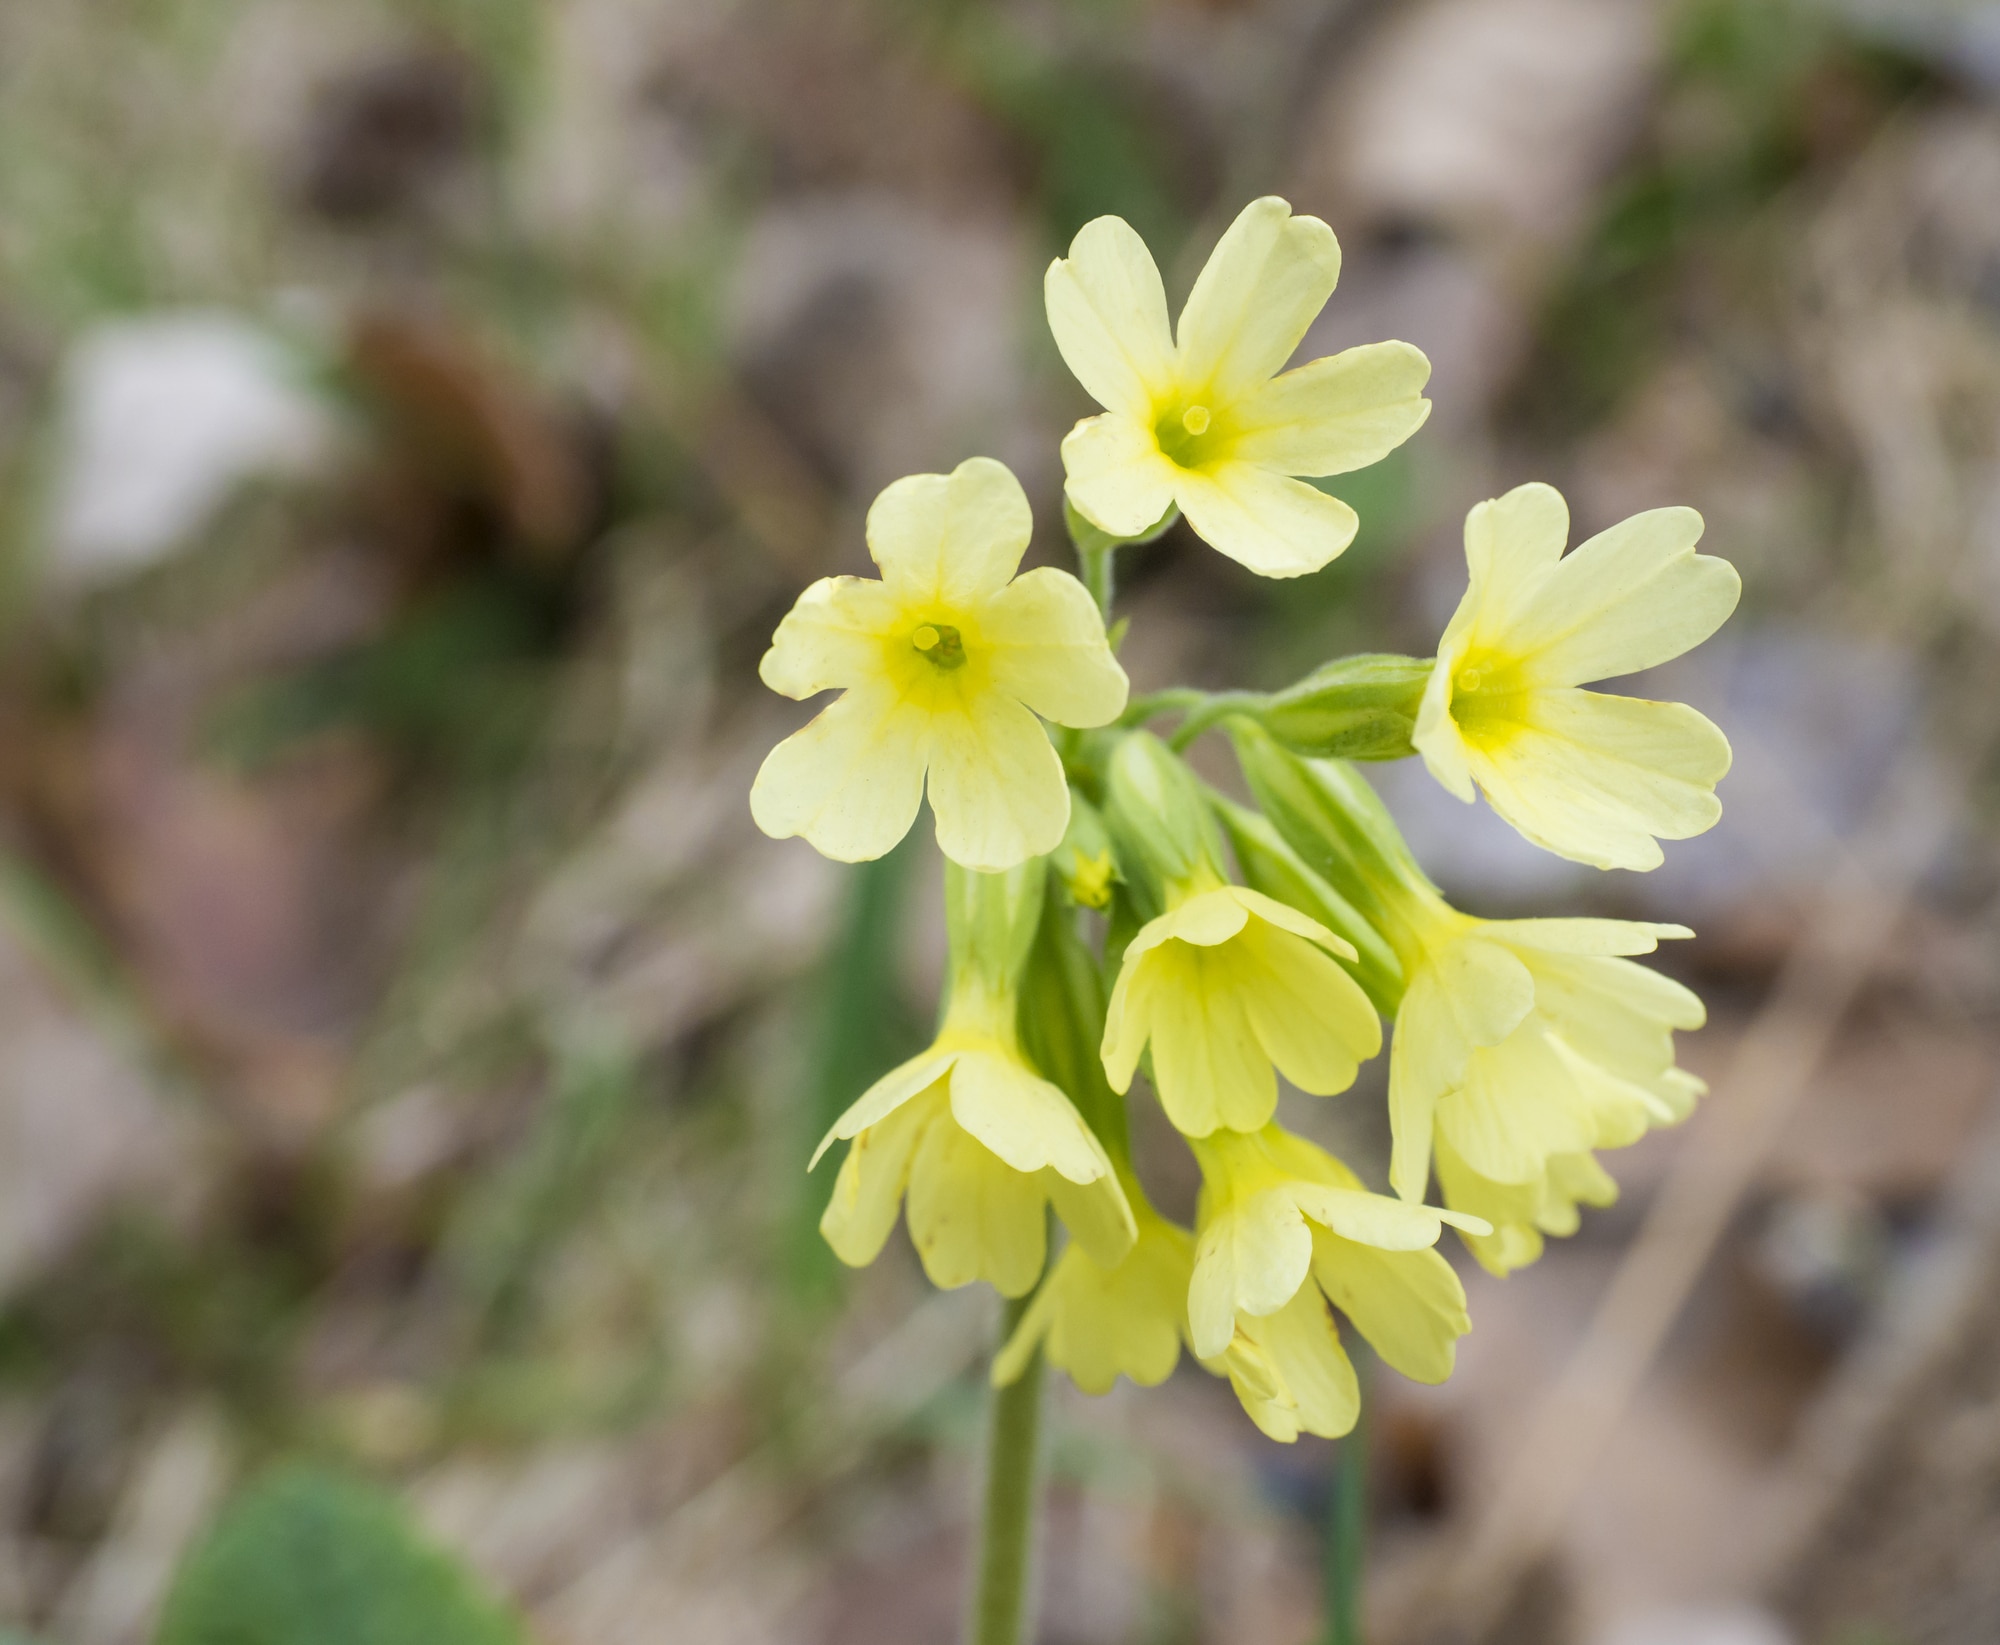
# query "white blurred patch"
(161, 419)
(1698, 1625)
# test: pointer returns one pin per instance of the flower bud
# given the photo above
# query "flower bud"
(1160, 820)
(1328, 814)
(1084, 862)
(1269, 865)
(1359, 708)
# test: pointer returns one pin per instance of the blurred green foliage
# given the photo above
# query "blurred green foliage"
(1757, 91)
(312, 1558)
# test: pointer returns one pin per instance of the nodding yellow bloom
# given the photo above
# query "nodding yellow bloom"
(1283, 1229)
(943, 665)
(1100, 1322)
(1588, 776)
(1205, 417)
(1223, 985)
(1520, 1047)
(980, 1141)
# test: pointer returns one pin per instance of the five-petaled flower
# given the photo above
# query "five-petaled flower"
(1521, 1046)
(945, 663)
(1204, 417)
(1588, 776)
(1223, 985)
(1283, 1229)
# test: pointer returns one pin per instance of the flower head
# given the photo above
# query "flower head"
(1283, 1229)
(980, 1141)
(1204, 417)
(943, 665)
(1099, 1322)
(1588, 776)
(1223, 985)
(1521, 1046)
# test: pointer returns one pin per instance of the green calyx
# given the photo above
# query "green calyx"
(1160, 821)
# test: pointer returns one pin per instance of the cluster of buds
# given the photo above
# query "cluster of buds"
(1110, 914)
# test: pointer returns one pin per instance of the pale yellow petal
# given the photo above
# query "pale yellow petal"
(1469, 994)
(1408, 1304)
(1100, 1323)
(1250, 1259)
(1310, 1016)
(996, 785)
(1305, 1347)
(869, 1189)
(1116, 474)
(1512, 543)
(1265, 282)
(1287, 918)
(1211, 1070)
(1595, 778)
(886, 1095)
(1585, 936)
(1096, 1213)
(851, 781)
(1206, 921)
(951, 538)
(1108, 311)
(1335, 414)
(1046, 643)
(1630, 598)
(1511, 1210)
(1128, 1019)
(1436, 735)
(1368, 1219)
(1274, 525)
(1514, 1108)
(972, 1216)
(832, 637)
(1024, 1120)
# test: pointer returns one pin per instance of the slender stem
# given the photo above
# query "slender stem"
(1347, 1528)
(1217, 707)
(1000, 1610)
(1174, 700)
(1100, 573)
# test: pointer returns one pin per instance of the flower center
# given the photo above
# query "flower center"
(1469, 680)
(1181, 432)
(940, 645)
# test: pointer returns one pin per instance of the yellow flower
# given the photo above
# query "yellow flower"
(1521, 1046)
(983, 1146)
(981, 1142)
(1224, 984)
(1283, 1229)
(1201, 417)
(1099, 1322)
(945, 663)
(1521, 1213)
(1588, 776)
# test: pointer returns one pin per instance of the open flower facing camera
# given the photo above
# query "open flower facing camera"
(1112, 917)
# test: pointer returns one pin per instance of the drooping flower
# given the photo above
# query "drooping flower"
(981, 1143)
(1224, 985)
(1589, 776)
(1522, 1046)
(943, 665)
(1204, 417)
(1099, 1322)
(1283, 1229)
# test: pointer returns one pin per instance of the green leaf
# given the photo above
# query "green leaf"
(308, 1557)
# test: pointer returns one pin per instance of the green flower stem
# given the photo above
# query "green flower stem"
(1347, 1528)
(1175, 700)
(1000, 1609)
(1212, 708)
(1100, 573)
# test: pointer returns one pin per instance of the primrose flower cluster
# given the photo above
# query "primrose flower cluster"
(1110, 915)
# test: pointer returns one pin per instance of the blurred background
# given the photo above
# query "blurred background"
(415, 416)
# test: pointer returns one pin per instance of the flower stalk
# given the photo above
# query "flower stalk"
(1009, 1503)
